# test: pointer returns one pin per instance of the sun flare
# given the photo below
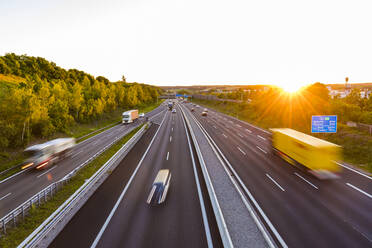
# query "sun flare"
(291, 88)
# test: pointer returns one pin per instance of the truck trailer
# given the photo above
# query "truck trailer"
(130, 116)
(48, 153)
(170, 105)
(316, 156)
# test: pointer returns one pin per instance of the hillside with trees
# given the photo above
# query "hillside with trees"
(38, 98)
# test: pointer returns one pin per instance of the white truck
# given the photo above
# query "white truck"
(130, 116)
(48, 153)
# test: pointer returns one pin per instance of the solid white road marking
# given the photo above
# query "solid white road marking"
(172, 129)
(170, 139)
(224, 135)
(240, 135)
(103, 228)
(305, 180)
(241, 150)
(358, 189)
(360, 173)
(6, 179)
(249, 131)
(277, 184)
(46, 172)
(262, 150)
(201, 200)
(5, 196)
(167, 155)
(259, 136)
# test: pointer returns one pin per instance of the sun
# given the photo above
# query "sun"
(291, 88)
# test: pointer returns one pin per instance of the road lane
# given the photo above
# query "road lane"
(28, 183)
(177, 223)
(330, 216)
(136, 224)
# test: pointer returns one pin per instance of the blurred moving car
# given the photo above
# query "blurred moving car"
(48, 153)
(174, 111)
(205, 110)
(192, 109)
(204, 113)
(142, 115)
(159, 187)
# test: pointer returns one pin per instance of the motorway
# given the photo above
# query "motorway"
(117, 215)
(19, 188)
(305, 211)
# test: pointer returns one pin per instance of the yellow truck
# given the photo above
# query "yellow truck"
(316, 155)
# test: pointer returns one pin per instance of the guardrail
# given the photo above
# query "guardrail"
(224, 232)
(50, 223)
(11, 219)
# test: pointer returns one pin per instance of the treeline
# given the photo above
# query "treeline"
(38, 98)
(280, 109)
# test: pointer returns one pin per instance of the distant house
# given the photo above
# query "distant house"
(365, 93)
(339, 93)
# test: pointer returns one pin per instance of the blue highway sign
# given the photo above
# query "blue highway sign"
(324, 124)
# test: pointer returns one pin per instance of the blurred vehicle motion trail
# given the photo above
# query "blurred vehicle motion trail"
(48, 153)
(317, 156)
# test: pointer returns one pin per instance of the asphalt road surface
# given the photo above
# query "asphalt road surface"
(20, 188)
(307, 212)
(111, 218)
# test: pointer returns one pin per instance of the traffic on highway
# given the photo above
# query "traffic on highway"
(199, 178)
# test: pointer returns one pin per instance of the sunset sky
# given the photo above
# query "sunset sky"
(173, 42)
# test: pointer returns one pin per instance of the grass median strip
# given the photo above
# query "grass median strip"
(37, 215)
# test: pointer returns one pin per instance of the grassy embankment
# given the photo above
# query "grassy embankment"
(13, 157)
(37, 215)
(357, 145)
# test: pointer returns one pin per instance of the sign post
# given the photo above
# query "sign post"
(324, 123)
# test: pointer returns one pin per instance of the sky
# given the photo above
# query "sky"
(192, 42)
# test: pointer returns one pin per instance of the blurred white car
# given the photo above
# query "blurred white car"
(174, 111)
(142, 115)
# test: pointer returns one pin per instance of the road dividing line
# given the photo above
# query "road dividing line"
(103, 228)
(170, 139)
(240, 135)
(214, 126)
(5, 196)
(238, 125)
(241, 150)
(249, 131)
(46, 172)
(277, 184)
(76, 154)
(262, 150)
(358, 189)
(224, 135)
(167, 155)
(360, 173)
(201, 200)
(259, 136)
(6, 179)
(305, 180)
(172, 129)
